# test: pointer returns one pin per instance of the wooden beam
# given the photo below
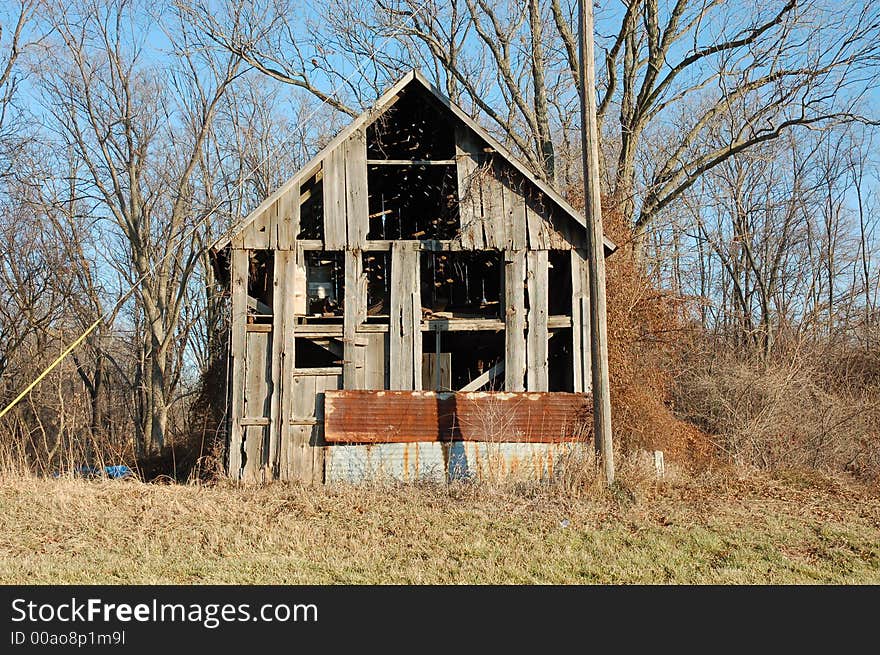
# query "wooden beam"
(482, 380)
(595, 243)
(467, 158)
(239, 276)
(356, 201)
(334, 200)
(354, 314)
(515, 320)
(405, 319)
(411, 162)
(537, 378)
(580, 322)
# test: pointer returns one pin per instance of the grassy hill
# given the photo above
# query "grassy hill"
(721, 527)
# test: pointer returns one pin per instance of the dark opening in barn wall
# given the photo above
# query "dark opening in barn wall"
(559, 282)
(409, 201)
(311, 354)
(464, 284)
(311, 219)
(325, 284)
(559, 361)
(465, 355)
(416, 126)
(377, 268)
(261, 271)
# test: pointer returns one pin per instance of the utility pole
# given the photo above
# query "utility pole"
(595, 245)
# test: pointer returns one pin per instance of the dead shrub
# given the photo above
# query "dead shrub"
(794, 413)
(646, 335)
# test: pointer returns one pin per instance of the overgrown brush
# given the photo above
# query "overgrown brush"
(800, 412)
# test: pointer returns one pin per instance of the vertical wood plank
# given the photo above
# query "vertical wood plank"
(416, 331)
(537, 378)
(515, 320)
(239, 279)
(493, 208)
(580, 322)
(536, 226)
(405, 337)
(283, 359)
(257, 235)
(376, 361)
(334, 200)
(515, 210)
(354, 314)
(287, 226)
(467, 154)
(257, 402)
(356, 202)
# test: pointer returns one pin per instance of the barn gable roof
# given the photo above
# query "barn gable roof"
(385, 101)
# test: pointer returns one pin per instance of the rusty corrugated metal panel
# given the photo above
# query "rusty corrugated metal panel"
(436, 462)
(492, 416)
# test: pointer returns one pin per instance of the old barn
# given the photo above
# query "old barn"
(411, 303)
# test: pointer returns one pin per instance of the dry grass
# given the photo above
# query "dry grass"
(716, 528)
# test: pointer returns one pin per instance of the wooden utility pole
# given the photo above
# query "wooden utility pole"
(595, 245)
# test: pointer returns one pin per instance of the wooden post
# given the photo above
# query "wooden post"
(514, 320)
(595, 245)
(239, 276)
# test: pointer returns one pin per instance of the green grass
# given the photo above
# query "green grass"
(717, 528)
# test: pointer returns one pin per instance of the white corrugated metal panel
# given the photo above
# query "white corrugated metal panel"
(407, 462)
(459, 460)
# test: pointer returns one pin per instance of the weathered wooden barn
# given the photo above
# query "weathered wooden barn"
(411, 303)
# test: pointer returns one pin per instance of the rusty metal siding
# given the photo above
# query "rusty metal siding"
(438, 462)
(427, 416)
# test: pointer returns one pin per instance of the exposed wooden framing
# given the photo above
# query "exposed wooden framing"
(277, 409)
(405, 318)
(356, 201)
(467, 159)
(319, 370)
(382, 104)
(334, 199)
(537, 335)
(515, 320)
(411, 162)
(482, 380)
(580, 321)
(258, 327)
(354, 314)
(239, 278)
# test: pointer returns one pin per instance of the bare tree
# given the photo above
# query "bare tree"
(139, 132)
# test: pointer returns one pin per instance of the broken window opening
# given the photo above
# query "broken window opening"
(308, 354)
(559, 282)
(560, 369)
(463, 357)
(413, 202)
(325, 284)
(311, 213)
(461, 284)
(416, 126)
(377, 268)
(261, 273)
